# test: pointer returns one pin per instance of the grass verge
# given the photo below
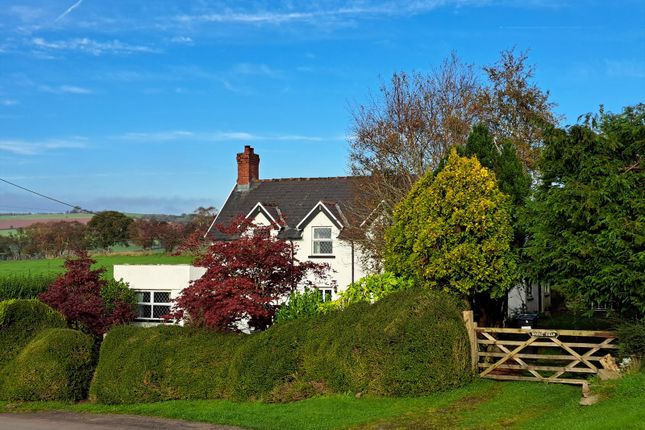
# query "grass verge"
(483, 404)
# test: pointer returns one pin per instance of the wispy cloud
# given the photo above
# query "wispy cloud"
(216, 136)
(90, 46)
(25, 147)
(65, 89)
(625, 68)
(68, 11)
(8, 102)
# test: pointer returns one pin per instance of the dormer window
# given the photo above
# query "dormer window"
(322, 242)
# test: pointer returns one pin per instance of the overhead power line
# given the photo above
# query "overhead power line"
(78, 208)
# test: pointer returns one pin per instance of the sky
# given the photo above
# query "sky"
(141, 106)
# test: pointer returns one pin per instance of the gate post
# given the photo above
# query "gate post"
(472, 336)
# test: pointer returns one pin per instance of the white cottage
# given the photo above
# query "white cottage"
(313, 213)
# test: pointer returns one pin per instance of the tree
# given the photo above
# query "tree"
(54, 239)
(514, 108)
(77, 295)
(246, 279)
(407, 131)
(143, 232)
(587, 226)
(108, 228)
(171, 235)
(453, 232)
(410, 128)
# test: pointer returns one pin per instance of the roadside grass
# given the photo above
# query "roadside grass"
(55, 265)
(484, 404)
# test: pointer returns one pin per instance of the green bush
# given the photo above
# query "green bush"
(410, 343)
(56, 364)
(20, 321)
(631, 338)
(300, 305)
(373, 288)
(161, 363)
(24, 286)
(115, 291)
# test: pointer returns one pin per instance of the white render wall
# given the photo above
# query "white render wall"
(158, 277)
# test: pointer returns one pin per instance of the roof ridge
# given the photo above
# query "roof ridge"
(307, 179)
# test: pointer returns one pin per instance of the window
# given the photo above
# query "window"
(152, 305)
(325, 293)
(322, 243)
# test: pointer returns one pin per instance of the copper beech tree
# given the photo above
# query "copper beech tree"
(247, 278)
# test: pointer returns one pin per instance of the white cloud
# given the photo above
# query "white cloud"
(216, 136)
(65, 89)
(181, 40)
(24, 147)
(625, 68)
(8, 102)
(92, 47)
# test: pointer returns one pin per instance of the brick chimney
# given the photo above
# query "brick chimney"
(248, 167)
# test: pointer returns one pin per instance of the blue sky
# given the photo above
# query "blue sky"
(141, 106)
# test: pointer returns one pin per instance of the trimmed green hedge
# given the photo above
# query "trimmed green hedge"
(20, 321)
(409, 343)
(56, 364)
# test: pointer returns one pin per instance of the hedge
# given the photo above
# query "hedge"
(57, 364)
(410, 343)
(20, 321)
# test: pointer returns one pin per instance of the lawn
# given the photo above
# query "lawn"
(483, 404)
(55, 265)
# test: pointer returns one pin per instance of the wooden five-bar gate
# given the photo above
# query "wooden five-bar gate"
(559, 356)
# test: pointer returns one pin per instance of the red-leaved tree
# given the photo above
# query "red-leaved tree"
(247, 278)
(77, 295)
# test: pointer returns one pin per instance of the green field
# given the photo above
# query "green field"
(483, 404)
(44, 216)
(55, 265)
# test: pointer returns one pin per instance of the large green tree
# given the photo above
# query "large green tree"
(453, 232)
(587, 229)
(108, 228)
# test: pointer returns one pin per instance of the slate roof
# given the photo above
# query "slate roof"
(289, 201)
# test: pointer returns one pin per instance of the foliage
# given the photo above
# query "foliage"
(24, 285)
(453, 232)
(631, 337)
(20, 321)
(409, 343)
(501, 158)
(372, 288)
(77, 295)
(246, 277)
(587, 226)
(108, 228)
(120, 301)
(514, 108)
(416, 119)
(56, 364)
(143, 232)
(44, 239)
(300, 305)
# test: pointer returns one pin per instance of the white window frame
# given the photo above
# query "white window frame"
(152, 305)
(327, 293)
(314, 240)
